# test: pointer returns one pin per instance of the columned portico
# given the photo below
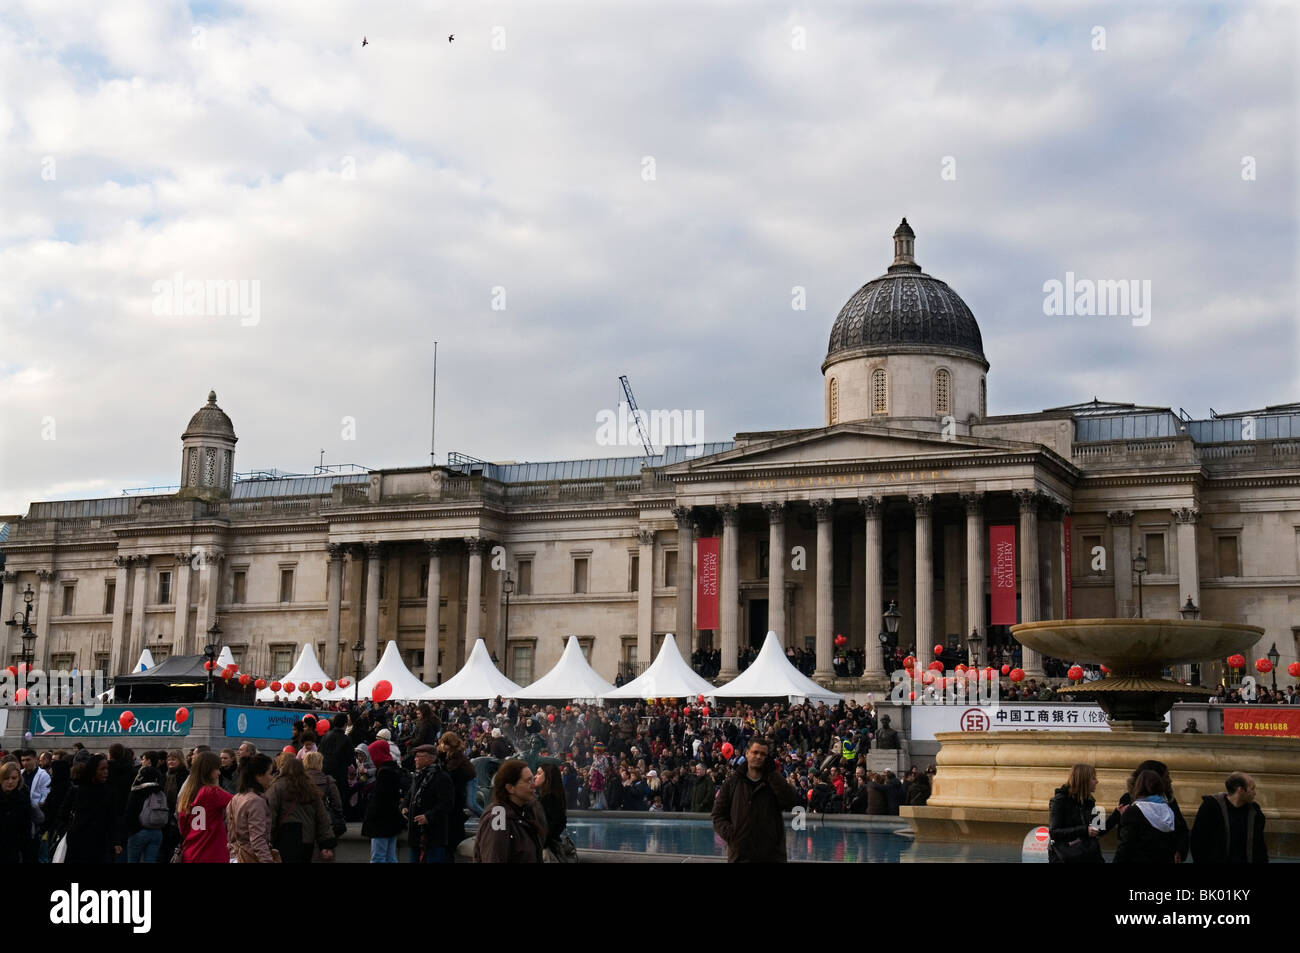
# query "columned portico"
(1121, 522)
(824, 511)
(729, 610)
(181, 624)
(119, 663)
(776, 569)
(1189, 579)
(1027, 500)
(433, 599)
(139, 589)
(43, 600)
(645, 596)
(374, 553)
(477, 546)
(874, 568)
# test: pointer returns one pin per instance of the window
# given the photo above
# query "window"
(879, 391)
(524, 584)
(670, 568)
(634, 572)
(209, 467)
(101, 661)
(281, 659)
(629, 654)
(240, 652)
(69, 598)
(239, 586)
(164, 588)
(286, 585)
(63, 661)
(521, 659)
(1228, 556)
(110, 596)
(193, 479)
(1155, 553)
(580, 574)
(162, 650)
(942, 391)
(585, 642)
(1089, 544)
(835, 401)
(415, 658)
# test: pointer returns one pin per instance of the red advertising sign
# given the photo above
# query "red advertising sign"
(1002, 575)
(1270, 722)
(1069, 572)
(706, 590)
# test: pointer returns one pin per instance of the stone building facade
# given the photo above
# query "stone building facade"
(890, 500)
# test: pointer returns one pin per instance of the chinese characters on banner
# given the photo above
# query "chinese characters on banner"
(1002, 575)
(706, 591)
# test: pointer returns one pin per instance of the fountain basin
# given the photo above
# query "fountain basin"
(1137, 646)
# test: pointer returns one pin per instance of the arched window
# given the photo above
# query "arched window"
(879, 391)
(835, 401)
(942, 392)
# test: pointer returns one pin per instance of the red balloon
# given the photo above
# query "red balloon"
(1075, 673)
(705, 711)
(727, 750)
(20, 696)
(935, 666)
(1006, 669)
(209, 665)
(699, 699)
(685, 711)
(551, 718)
(382, 691)
(329, 686)
(182, 715)
(322, 725)
(1263, 666)
(275, 686)
(316, 687)
(938, 650)
(126, 720)
(1293, 669)
(260, 684)
(287, 749)
(911, 696)
(245, 679)
(1017, 675)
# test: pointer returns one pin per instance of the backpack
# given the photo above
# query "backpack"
(154, 815)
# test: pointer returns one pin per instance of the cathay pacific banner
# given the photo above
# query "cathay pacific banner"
(149, 720)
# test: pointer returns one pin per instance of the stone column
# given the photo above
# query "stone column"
(433, 548)
(11, 602)
(824, 510)
(1121, 563)
(776, 569)
(139, 592)
(907, 590)
(1189, 579)
(117, 663)
(181, 593)
(209, 593)
(685, 518)
(334, 608)
(374, 553)
(924, 650)
(873, 559)
(477, 546)
(953, 612)
(1031, 661)
(975, 572)
(645, 596)
(44, 599)
(494, 602)
(729, 609)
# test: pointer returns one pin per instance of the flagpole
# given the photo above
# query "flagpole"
(433, 425)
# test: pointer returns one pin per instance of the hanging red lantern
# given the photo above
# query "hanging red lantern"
(935, 666)
(961, 667)
(1236, 661)
(317, 687)
(1017, 675)
(209, 665)
(13, 670)
(344, 682)
(1263, 666)
(1006, 669)
(275, 687)
(245, 679)
(1075, 673)
(260, 684)
(1293, 669)
(329, 686)
(909, 661)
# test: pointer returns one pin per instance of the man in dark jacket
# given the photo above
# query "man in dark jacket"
(1229, 827)
(337, 750)
(702, 794)
(893, 791)
(748, 811)
(428, 809)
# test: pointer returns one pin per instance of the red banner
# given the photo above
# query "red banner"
(1269, 722)
(1069, 573)
(1002, 575)
(706, 589)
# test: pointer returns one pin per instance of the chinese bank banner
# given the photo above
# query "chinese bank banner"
(1002, 575)
(1269, 722)
(928, 720)
(706, 591)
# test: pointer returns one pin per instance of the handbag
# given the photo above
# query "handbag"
(562, 851)
(1083, 850)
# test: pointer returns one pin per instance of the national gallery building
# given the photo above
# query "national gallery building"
(890, 499)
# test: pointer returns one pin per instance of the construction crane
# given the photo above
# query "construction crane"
(636, 415)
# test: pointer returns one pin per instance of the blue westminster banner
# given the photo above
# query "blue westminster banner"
(152, 720)
(262, 722)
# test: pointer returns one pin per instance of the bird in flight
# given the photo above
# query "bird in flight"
(364, 41)
(452, 37)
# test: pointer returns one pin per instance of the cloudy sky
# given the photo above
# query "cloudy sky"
(570, 192)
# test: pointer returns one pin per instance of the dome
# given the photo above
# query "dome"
(905, 311)
(210, 421)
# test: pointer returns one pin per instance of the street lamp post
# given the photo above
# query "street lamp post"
(358, 653)
(1191, 612)
(1140, 567)
(27, 654)
(508, 586)
(1274, 656)
(210, 652)
(973, 652)
(891, 619)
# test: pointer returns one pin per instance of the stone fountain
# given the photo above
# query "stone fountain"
(994, 786)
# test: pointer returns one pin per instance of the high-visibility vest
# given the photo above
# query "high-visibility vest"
(849, 751)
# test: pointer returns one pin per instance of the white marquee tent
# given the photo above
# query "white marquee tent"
(667, 677)
(406, 687)
(571, 678)
(478, 679)
(772, 676)
(307, 669)
(146, 662)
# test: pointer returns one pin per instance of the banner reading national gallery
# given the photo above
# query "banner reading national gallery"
(1002, 575)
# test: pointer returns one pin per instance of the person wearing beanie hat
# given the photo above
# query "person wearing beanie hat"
(385, 735)
(383, 820)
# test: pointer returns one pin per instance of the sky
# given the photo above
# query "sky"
(568, 192)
